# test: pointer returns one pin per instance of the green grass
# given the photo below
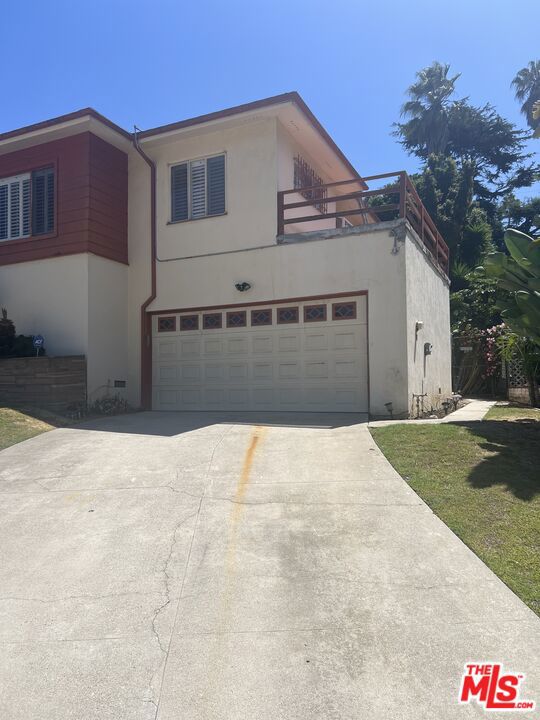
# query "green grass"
(16, 426)
(483, 480)
(513, 412)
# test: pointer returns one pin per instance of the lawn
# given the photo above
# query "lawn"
(483, 480)
(509, 412)
(16, 426)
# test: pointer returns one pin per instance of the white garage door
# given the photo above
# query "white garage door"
(296, 356)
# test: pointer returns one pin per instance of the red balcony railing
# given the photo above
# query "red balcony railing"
(362, 206)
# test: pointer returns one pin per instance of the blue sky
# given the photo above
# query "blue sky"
(152, 62)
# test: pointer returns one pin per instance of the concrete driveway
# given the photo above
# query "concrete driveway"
(188, 566)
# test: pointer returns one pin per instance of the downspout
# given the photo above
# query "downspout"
(146, 319)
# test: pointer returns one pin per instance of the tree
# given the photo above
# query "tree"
(518, 298)
(426, 129)
(523, 215)
(477, 136)
(473, 161)
(447, 192)
(526, 86)
(518, 275)
(474, 306)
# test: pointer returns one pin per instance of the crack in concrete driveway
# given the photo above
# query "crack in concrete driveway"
(201, 566)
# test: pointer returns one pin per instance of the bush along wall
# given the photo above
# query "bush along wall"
(13, 345)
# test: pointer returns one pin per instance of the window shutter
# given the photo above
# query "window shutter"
(42, 201)
(49, 220)
(179, 193)
(198, 188)
(3, 212)
(15, 209)
(26, 206)
(215, 176)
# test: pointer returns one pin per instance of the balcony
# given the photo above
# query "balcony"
(352, 203)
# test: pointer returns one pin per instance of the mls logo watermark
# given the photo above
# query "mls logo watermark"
(491, 686)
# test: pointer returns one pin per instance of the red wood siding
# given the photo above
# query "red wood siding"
(108, 201)
(91, 199)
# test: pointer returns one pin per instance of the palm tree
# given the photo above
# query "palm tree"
(427, 109)
(526, 85)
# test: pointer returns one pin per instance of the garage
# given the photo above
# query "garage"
(291, 355)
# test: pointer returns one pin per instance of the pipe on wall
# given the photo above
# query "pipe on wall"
(146, 319)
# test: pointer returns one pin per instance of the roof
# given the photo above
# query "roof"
(290, 97)
(85, 112)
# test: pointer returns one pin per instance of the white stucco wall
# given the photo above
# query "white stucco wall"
(250, 189)
(107, 326)
(50, 298)
(79, 304)
(427, 301)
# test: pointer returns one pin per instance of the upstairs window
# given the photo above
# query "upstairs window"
(27, 204)
(198, 188)
(306, 177)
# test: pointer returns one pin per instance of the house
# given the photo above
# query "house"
(233, 261)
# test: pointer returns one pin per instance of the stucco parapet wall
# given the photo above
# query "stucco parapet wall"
(399, 229)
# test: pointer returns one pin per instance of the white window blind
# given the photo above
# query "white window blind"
(15, 207)
(198, 188)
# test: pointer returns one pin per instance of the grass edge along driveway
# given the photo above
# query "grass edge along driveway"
(16, 426)
(483, 480)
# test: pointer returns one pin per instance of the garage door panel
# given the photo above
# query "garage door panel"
(263, 371)
(214, 398)
(317, 365)
(238, 398)
(214, 371)
(288, 343)
(349, 368)
(167, 398)
(263, 398)
(190, 348)
(346, 340)
(213, 346)
(190, 397)
(289, 370)
(290, 397)
(166, 349)
(262, 344)
(346, 398)
(237, 346)
(316, 340)
(190, 372)
(238, 371)
(316, 368)
(317, 397)
(167, 374)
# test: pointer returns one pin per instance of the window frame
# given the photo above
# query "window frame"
(188, 162)
(29, 171)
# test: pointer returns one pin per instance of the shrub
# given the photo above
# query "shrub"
(109, 405)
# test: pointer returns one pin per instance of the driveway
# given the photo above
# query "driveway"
(190, 566)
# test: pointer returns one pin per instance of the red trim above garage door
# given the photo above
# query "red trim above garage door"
(258, 302)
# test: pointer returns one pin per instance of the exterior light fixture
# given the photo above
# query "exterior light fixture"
(419, 325)
(242, 286)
